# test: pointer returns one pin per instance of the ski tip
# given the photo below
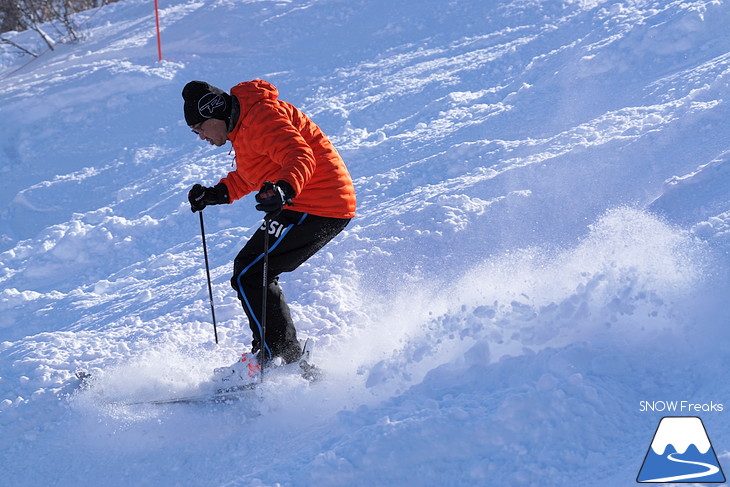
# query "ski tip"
(307, 349)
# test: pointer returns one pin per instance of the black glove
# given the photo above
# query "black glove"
(200, 196)
(271, 198)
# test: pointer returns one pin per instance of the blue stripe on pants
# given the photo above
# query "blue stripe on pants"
(246, 300)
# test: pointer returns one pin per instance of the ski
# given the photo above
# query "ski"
(220, 396)
(308, 371)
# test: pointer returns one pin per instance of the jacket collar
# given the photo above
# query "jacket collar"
(235, 112)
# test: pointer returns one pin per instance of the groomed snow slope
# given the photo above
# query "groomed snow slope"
(541, 245)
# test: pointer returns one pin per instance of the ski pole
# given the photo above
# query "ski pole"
(207, 271)
(265, 284)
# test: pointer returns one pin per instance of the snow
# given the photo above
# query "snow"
(541, 244)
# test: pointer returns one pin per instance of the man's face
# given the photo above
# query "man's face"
(213, 130)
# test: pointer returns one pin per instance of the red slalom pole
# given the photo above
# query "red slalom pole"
(157, 21)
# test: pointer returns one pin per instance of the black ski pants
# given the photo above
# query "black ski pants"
(293, 238)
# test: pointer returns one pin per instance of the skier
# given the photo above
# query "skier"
(300, 181)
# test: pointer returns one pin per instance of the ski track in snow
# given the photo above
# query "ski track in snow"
(541, 243)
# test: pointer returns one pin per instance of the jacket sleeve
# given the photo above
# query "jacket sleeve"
(276, 136)
(237, 186)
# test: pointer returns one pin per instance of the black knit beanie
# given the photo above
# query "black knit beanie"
(204, 101)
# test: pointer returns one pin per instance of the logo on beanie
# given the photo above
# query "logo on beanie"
(210, 103)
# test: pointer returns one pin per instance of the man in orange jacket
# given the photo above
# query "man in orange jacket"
(300, 180)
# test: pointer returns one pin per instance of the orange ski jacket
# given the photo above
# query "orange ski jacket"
(273, 141)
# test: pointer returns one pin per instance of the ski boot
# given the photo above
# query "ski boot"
(242, 374)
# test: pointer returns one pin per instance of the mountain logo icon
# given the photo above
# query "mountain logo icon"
(680, 452)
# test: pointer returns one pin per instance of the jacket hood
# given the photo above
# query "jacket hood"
(251, 92)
